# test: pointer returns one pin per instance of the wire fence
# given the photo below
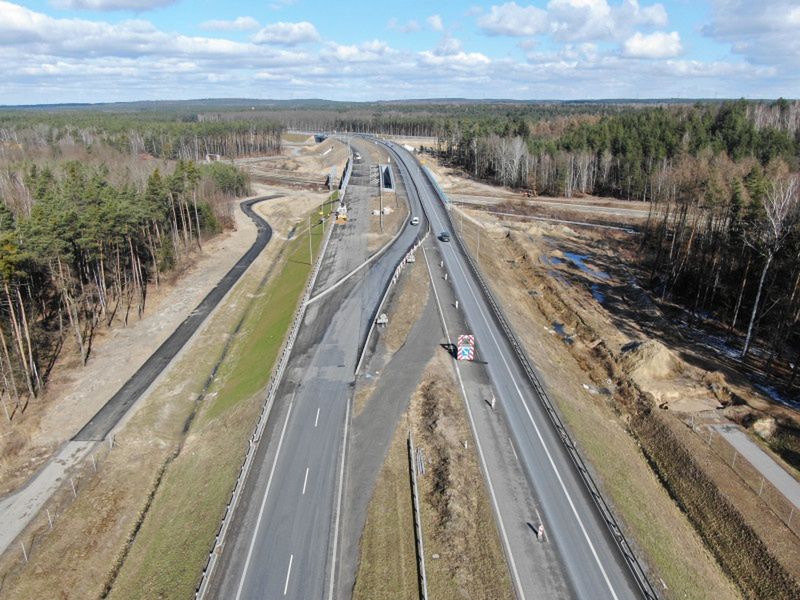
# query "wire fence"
(78, 477)
(778, 503)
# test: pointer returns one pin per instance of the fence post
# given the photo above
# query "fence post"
(24, 552)
(761, 488)
(735, 454)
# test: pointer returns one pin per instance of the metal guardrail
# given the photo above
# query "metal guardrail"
(633, 563)
(255, 438)
(374, 317)
(423, 578)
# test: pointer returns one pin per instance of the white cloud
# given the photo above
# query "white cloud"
(435, 22)
(512, 19)
(448, 46)
(112, 4)
(658, 44)
(573, 20)
(46, 59)
(287, 34)
(367, 52)
(765, 32)
(410, 26)
(238, 24)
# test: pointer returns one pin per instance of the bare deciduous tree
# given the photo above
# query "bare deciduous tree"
(780, 210)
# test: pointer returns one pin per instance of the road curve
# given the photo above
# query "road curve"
(118, 405)
(592, 561)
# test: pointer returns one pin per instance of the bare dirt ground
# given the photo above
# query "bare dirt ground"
(300, 165)
(461, 188)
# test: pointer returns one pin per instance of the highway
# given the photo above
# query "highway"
(283, 541)
(590, 559)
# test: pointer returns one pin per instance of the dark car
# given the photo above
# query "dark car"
(444, 236)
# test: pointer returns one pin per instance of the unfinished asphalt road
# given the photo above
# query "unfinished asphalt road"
(101, 424)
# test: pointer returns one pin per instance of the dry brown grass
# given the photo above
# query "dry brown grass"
(409, 300)
(457, 518)
(387, 567)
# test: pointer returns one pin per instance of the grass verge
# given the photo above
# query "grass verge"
(387, 567)
(167, 555)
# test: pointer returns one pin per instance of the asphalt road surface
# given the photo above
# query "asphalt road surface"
(591, 561)
(283, 541)
(118, 405)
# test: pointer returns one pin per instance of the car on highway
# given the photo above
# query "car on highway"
(415, 220)
(444, 236)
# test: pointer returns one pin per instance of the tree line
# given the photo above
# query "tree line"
(722, 183)
(171, 136)
(81, 251)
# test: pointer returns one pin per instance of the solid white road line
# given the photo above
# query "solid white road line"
(506, 543)
(339, 502)
(535, 426)
(316, 419)
(305, 481)
(263, 504)
(288, 574)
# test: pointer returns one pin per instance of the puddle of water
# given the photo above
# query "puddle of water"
(597, 294)
(578, 261)
(562, 333)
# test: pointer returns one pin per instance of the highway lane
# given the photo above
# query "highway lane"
(283, 538)
(591, 561)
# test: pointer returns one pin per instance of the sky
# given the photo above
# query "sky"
(55, 51)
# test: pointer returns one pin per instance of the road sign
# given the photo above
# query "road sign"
(466, 347)
(466, 353)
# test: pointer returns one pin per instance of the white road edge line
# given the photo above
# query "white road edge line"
(288, 574)
(536, 428)
(263, 504)
(316, 419)
(512, 562)
(339, 502)
(305, 482)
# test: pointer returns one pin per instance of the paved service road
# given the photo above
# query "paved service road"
(283, 540)
(763, 462)
(118, 405)
(592, 564)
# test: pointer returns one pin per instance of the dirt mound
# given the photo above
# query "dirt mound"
(650, 360)
(673, 384)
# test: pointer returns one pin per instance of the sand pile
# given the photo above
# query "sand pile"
(674, 384)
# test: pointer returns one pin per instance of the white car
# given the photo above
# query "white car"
(415, 220)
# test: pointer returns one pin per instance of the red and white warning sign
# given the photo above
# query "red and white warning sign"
(466, 347)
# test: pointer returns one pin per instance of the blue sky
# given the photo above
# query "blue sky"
(117, 50)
